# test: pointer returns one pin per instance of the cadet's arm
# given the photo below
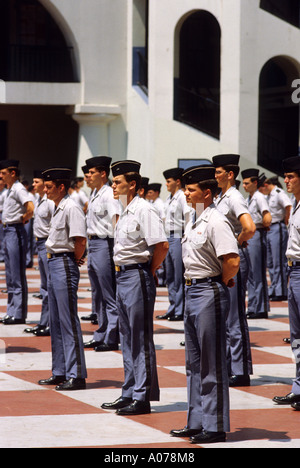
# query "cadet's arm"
(159, 254)
(248, 228)
(80, 244)
(267, 219)
(287, 215)
(29, 206)
(231, 265)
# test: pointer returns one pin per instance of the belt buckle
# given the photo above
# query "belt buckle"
(117, 268)
(49, 255)
(188, 282)
(290, 263)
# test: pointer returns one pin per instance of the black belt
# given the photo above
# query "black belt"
(213, 279)
(292, 263)
(97, 237)
(135, 266)
(63, 254)
(41, 238)
(12, 224)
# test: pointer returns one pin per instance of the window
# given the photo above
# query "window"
(140, 44)
(287, 10)
(197, 87)
(278, 136)
(32, 47)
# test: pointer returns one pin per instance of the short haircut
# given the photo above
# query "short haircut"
(130, 176)
(210, 184)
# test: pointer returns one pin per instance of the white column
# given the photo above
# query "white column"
(93, 132)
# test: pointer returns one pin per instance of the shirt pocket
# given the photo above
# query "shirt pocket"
(197, 238)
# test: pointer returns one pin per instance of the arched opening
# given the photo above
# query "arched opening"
(32, 46)
(278, 135)
(287, 10)
(197, 85)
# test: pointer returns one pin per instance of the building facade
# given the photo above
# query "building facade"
(159, 81)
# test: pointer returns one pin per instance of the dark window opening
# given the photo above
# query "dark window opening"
(197, 89)
(3, 140)
(278, 136)
(140, 52)
(32, 47)
(287, 10)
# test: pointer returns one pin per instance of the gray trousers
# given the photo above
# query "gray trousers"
(238, 339)
(277, 239)
(206, 308)
(258, 294)
(294, 317)
(103, 282)
(135, 299)
(15, 244)
(43, 269)
(174, 276)
(66, 337)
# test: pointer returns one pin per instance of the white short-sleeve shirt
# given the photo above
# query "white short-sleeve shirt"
(67, 222)
(138, 230)
(205, 242)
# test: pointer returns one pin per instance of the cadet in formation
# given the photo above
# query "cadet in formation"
(18, 209)
(280, 208)
(177, 215)
(258, 294)
(41, 225)
(291, 167)
(233, 205)
(211, 260)
(102, 214)
(139, 249)
(65, 246)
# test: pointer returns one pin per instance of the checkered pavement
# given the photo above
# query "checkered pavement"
(32, 416)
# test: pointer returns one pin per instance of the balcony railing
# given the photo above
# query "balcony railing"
(37, 64)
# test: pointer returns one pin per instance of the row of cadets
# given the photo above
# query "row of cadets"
(139, 249)
(102, 215)
(233, 205)
(18, 209)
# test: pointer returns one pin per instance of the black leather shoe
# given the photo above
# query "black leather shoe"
(4, 318)
(53, 380)
(239, 381)
(104, 347)
(185, 432)
(118, 404)
(253, 316)
(175, 318)
(206, 437)
(42, 332)
(33, 329)
(91, 344)
(136, 407)
(287, 399)
(72, 384)
(278, 298)
(287, 340)
(296, 406)
(164, 316)
(89, 318)
(13, 321)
